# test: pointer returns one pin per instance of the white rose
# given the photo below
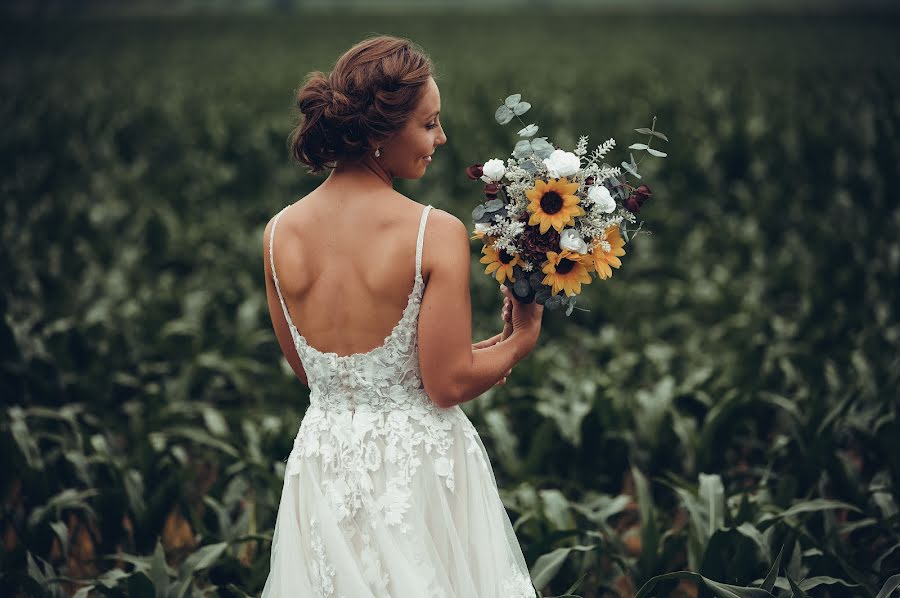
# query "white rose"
(600, 197)
(494, 169)
(571, 240)
(561, 163)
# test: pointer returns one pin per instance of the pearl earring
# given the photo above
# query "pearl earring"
(378, 152)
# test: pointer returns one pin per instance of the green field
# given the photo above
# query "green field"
(732, 392)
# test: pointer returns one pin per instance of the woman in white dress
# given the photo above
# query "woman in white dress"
(388, 491)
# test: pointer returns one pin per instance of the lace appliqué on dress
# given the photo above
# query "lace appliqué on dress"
(347, 445)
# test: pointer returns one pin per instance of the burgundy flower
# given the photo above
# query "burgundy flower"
(474, 171)
(637, 198)
(534, 245)
(589, 181)
(491, 190)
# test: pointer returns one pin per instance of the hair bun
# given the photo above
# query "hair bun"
(370, 93)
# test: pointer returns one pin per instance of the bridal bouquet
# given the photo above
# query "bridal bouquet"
(551, 218)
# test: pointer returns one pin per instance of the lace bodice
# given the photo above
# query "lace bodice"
(386, 377)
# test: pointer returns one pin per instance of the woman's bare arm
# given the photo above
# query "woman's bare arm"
(452, 371)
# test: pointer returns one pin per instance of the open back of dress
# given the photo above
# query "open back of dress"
(386, 494)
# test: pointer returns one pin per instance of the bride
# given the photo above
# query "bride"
(388, 491)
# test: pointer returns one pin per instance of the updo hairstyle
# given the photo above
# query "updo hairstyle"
(369, 94)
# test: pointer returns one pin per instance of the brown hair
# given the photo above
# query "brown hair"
(369, 94)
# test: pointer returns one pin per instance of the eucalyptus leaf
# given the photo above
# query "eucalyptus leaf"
(638, 146)
(542, 148)
(528, 131)
(478, 212)
(644, 131)
(521, 108)
(553, 302)
(503, 115)
(657, 153)
(493, 205)
(521, 287)
(627, 166)
(512, 100)
(523, 149)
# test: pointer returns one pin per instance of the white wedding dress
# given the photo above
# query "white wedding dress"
(386, 494)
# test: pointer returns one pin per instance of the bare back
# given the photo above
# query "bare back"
(346, 267)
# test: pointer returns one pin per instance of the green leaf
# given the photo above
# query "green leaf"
(656, 153)
(548, 565)
(889, 586)
(807, 506)
(528, 131)
(638, 146)
(84, 591)
(660, 135)
(205, 557)
(644, 131)
(512, 100)
(214, 421)
(649, 529)
(721, 590)
(158, 573)
(769, 582)
(712, 495)
(796, 592)
(818, 580)
(62, 532)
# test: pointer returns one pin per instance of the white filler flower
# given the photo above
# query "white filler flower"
(571, 240)
(561, 163)
(599, 195)
(494, 169)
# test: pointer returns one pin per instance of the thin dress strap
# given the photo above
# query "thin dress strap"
(419, 240)
(284, 308)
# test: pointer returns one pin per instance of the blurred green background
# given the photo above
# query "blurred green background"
(732, 392)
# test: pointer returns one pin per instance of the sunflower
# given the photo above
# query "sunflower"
(501, 261)
(479, 234)
(566, 271)
(602, 260)
(553, 203)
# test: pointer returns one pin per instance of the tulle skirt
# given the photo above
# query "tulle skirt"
(399, 504)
